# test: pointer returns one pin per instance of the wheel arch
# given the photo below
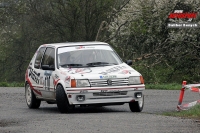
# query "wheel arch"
(26, 82)
(60, 82)
(58, 85)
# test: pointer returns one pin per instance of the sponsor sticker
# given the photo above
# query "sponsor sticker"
(79, 47)
(110, 90)
(83, 91)
(107, 76)
(80, 71)
(34, 75)
(126, 71)
(68, 49)
(112, 70)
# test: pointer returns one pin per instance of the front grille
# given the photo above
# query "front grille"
(110, 93)
(104, 82)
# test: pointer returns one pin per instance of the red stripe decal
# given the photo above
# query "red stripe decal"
(38, 92)
(55, 82)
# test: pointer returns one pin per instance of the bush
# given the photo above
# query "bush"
(4, 84)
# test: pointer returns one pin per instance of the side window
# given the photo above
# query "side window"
(49, 57)
(38, 58)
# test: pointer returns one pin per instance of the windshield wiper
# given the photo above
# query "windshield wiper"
(71, 65)
(100, 64)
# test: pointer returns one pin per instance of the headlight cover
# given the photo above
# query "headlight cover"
(134, 80)
(82, 83)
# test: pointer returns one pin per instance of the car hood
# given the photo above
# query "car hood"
(115, 71)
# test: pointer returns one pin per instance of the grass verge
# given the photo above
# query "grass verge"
(192, 113)
(13, 84)
(169, 86)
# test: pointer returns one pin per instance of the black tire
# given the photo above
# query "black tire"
(137, 106)
(31, 100)
(62, 101)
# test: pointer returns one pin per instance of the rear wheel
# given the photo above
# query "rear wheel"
(137, 106)
(31, 100)
(62, 101)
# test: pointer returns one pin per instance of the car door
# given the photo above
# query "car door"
(35, 71)
(46, 75)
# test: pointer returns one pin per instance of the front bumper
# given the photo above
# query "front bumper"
(98, 95)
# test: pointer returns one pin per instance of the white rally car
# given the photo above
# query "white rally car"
(82, 74)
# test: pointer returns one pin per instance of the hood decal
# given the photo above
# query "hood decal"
(102, 72)
(126, 71)
(112, 70)
(80, 71)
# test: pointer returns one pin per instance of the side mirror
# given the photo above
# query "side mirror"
(129, 62)
(48, 67)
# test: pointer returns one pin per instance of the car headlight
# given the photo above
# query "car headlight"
(80, 83)
(136, 80)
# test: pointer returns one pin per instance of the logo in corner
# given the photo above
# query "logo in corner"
(182, 18)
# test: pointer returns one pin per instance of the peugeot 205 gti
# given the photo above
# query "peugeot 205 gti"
(82, 74)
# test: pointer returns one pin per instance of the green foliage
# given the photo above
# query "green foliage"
(4, 84)
(162, 74)
(12, 84)
(28, 24)
(193, 113)
(161, 54)
(156, 74)
(169, 86)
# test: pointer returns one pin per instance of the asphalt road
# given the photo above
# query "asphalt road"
(16, 117)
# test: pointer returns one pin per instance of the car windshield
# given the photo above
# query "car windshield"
(87, 56)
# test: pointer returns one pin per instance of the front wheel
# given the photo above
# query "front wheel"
(137, 106)
(62, 101)
(31, 100)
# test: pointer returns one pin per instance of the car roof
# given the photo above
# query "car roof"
(75, 44)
